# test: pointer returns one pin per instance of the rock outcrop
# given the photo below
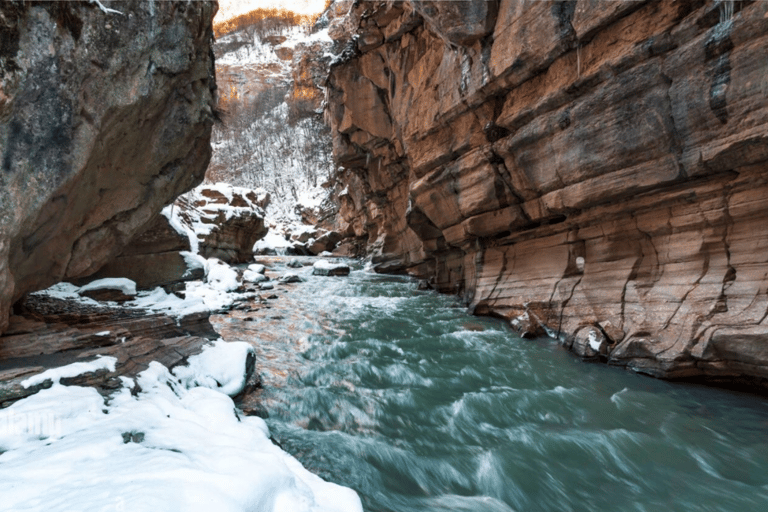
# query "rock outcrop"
(152, 258)
(591, 167)
(52, 332)
(105, 118)
(224, 221)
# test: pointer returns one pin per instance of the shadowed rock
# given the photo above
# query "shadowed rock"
(104, 119)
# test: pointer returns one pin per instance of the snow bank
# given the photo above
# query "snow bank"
(170, 447)
(221, 276)
(213, 294)
(220, 366)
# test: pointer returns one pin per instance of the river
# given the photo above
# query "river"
(419, 406)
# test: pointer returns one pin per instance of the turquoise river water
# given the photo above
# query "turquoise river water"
(418, 406)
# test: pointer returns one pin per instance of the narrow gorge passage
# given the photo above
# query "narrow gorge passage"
(404, 397)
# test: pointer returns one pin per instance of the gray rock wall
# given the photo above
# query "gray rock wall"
(104, 119)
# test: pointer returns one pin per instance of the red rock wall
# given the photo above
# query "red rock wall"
(598, 167)
(104, 118)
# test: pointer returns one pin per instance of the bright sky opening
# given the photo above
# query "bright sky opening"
(231, 8)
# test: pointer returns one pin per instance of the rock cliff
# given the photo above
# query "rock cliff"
(593, 168)
(105, 117)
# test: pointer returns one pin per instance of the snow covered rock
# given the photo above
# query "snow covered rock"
(161, 442)
(224, 366)
(222, 221)
(290, 277)
(327, 268)
(294, 263)
(254, 277)
(117, 289)
(221, 276)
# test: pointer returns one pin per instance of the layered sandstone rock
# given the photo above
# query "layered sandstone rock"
(592, 167)
(224, 221)
(104, 119)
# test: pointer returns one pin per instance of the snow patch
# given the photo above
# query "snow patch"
(71, 370)
(126, 286)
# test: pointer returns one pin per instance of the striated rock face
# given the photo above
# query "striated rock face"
(224, 221)
(104, 119)
(595, 168)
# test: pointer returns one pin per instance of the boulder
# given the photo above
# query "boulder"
(328, 268)
(294, 263)
(289, 277)
(99, 129)
(109, 289)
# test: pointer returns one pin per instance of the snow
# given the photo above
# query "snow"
(257, 268)
(71, 370)
(221, 276)
(66, 291)
(220, 366)
(327, 265)
(126, 286)
(301, 37)
(169, 447)
(273, 241)
(594, 342)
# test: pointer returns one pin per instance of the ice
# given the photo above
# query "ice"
(168, 447)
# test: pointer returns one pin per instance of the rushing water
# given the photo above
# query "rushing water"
(402, 396)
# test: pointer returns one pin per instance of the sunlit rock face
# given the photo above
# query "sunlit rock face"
(104, 118)
(594, 167)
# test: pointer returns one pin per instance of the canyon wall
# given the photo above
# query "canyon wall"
(105, 117)
(592, 168)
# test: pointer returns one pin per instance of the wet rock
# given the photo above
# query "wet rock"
(327, 268)
(267, 286)
(290, 278)
(99, 129)
(589, 342)
(294, 263)
(527, 326)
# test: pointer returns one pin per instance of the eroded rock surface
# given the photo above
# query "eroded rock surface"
(593, 167)
(104, 119)
(225, 221)
(50, 333)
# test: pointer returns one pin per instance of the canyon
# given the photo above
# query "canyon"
(590, 169)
